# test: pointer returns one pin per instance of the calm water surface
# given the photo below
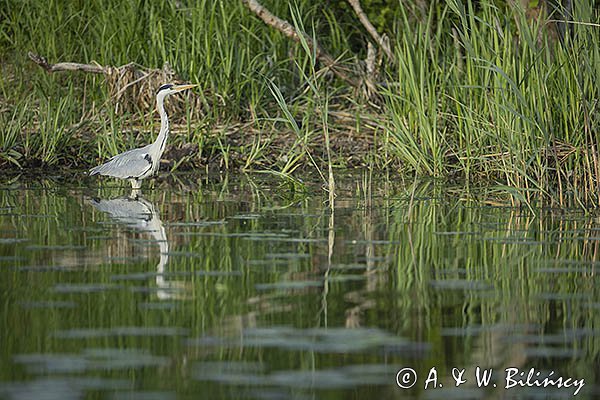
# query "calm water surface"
(252, 288)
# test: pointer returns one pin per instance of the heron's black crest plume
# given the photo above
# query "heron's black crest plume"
(163, 87)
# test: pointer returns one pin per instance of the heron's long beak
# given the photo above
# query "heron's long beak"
(179, 88)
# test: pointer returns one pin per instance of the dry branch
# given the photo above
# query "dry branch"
(288, 30)
(371, 62)
(66, 66)
(130, 86)
(380, 40)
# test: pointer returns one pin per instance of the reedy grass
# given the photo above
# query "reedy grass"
(506, 106)
(483, 94)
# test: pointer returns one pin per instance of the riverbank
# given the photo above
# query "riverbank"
(487, 95)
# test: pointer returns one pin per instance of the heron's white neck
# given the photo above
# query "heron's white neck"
(161, 140)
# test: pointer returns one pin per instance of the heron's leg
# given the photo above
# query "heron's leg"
(135, 194)
(135, 184)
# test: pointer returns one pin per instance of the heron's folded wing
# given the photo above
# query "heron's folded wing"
(131, 164)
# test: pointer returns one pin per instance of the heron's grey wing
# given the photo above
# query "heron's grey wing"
(130, 164)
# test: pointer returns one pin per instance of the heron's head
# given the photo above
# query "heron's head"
(169, 88)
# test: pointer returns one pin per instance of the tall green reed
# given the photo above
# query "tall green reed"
(489, 95)
(315, 99)
(413, 96)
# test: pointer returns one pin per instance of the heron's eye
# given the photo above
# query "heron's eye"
(164, 87)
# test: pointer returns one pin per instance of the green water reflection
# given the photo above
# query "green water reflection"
(250, 288)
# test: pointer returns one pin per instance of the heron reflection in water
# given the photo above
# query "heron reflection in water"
(140, 214)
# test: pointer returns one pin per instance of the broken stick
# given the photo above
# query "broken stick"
(288, 30)
(380, 40)
(66, 66)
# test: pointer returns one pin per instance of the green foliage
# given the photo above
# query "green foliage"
(382, 13)
(471, 97)
(477, 90)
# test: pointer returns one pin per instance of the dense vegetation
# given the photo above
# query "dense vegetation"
(487, 93)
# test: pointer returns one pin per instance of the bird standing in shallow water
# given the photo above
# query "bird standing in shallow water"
(138, 164)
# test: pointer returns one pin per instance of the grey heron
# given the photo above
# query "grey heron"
(138, 164)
